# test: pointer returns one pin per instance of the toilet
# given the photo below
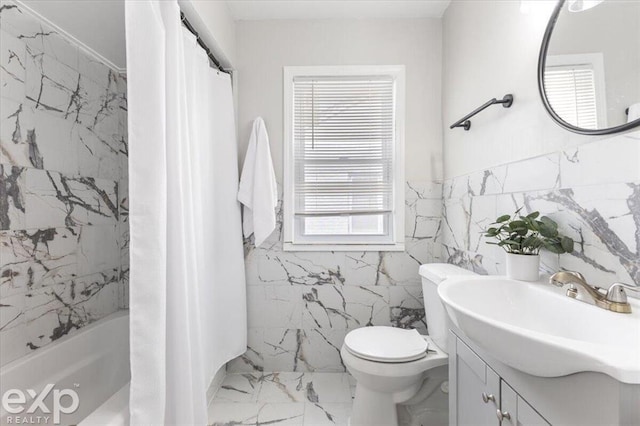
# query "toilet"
(390, 364)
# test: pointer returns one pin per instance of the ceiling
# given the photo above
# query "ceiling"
(96, 24)
(335, 9)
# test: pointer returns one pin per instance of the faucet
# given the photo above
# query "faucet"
(612, 299)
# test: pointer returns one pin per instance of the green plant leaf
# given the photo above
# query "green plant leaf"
(553, 248)
(549, 222)
(518, 224)
(503, 218)
(567, 244)
(492, 232)
(547, 231)
(530, 241)
(533, 215)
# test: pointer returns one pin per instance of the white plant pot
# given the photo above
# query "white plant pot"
(523, 267)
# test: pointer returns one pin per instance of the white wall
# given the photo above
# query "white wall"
(221, 28)
(265, 47)
(519, 157)
(490, 48)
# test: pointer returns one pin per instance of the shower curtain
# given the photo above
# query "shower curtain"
(187, 287)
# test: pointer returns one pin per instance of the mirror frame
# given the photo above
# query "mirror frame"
(542, 59)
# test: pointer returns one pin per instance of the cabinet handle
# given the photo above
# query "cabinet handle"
(503, 415)
(488, 397)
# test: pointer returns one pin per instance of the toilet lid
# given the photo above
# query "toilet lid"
(386, 344)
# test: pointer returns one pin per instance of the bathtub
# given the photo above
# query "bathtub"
(90, 366)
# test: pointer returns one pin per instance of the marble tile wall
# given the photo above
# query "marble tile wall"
(63, 186)
(302, 304)
(592, 191)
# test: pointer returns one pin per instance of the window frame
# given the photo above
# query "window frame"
(341, 242)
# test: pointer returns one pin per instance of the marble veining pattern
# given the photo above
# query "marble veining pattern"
(306, 399)
(63, 186)
(302, 304)
(592, 191)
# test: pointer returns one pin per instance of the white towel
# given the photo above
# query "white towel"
(258, 189)
(634, 112)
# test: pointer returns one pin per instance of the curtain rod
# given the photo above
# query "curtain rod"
(200, 42)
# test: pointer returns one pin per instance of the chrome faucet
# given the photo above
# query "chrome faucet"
(612, 299)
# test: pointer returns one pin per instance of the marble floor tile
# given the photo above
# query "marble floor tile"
(283, 387)
(330, 414)
(352, 385)
(328, 387)
(254, 414)
(241, 387)
(307, 399)
(416, 416)
(282, 398)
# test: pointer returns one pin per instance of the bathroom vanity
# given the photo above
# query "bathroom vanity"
(482, 391)
(526, 354)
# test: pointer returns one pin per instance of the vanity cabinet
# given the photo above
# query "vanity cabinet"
(517, 409)
(479, 397)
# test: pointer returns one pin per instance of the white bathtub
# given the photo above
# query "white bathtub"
(92, 362)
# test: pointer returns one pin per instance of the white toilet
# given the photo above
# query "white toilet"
(390, 364)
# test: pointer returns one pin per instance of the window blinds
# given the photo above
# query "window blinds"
(571, 92)
(343, 145)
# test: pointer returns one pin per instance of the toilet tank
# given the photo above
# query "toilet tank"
(432, 275)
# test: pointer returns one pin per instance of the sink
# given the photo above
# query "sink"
(537, 329)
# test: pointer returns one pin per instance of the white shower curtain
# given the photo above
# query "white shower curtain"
(187, 287)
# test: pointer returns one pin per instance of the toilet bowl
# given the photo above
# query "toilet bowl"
(390, 364)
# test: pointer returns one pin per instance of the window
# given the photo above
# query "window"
(344, 158)
(574, 85)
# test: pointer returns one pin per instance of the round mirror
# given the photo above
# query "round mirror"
(589, 66)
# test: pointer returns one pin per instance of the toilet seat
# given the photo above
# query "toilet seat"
(386, 344)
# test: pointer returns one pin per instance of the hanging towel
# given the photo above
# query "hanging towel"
(634, 112)
(258, 189)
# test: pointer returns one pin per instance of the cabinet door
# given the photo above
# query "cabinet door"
(474, 387)
(515, 411)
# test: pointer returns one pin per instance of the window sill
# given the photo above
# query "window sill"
(343, 247)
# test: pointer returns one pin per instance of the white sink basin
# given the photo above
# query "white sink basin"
(535, 328)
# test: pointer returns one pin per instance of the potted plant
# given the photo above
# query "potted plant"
(522, 237)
